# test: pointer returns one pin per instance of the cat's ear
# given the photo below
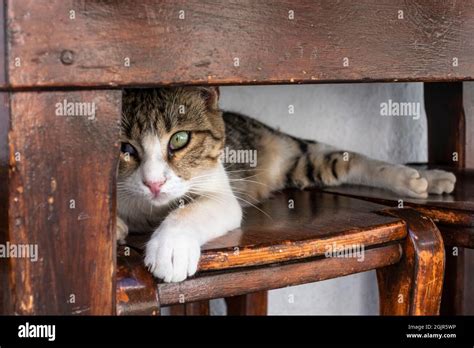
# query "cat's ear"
(210, 96)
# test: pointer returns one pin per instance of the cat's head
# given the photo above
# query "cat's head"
(170, 137)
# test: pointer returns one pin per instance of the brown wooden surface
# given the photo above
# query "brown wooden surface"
(61, 159)
(91, 49)
(255, 303)
(199, 308)
(454, 291)
(450, 115)
(241, 281)
(468, 101)
(317, 221)
(456, 208)
(414, 285)
(446, 123)
(136, 290)
(3, 46)
(5, 300)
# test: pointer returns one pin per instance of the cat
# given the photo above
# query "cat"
(173, 180)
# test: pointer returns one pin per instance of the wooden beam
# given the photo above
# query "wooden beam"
(60, 202)
(107, 43)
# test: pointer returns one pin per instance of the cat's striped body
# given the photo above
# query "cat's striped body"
(176, 181)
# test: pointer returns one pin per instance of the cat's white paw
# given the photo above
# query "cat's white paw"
(121, 230)
(439, 181)
(409, 182)
(172, 255)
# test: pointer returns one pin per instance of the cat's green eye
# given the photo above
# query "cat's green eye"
(179, 140)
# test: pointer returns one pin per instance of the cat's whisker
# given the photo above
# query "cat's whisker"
(240, 198)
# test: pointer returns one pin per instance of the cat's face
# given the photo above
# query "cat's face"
(171, 137)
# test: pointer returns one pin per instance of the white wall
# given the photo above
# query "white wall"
(347, 116)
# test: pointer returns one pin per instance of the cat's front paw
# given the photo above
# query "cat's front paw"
(121, 230)
(172, 255)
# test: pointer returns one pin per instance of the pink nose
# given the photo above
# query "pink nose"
(154, 186)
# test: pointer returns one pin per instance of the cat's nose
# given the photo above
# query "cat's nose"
(154, 186)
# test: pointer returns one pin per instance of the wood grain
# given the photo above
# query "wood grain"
(414, 285)
(61, 198)
(5, 300)
(277, 233)
(136, 290)
(237, 282)
(202, 47)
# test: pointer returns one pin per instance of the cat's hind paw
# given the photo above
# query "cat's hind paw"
(439, 181)
(172, 255)
(409, 182)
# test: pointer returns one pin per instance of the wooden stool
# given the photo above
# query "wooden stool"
(454, 216)
(299, 241)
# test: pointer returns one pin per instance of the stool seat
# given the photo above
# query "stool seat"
(295, 237)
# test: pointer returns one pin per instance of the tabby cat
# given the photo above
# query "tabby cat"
(174, 182)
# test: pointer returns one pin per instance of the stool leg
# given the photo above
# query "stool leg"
(414, 285)
(250, 304)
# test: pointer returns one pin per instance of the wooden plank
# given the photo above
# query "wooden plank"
(239, 41)
(3, 45)
(5, 300)
(468, 101)
(61, 202)
(414, 285)
(238, 282)
(296, 225)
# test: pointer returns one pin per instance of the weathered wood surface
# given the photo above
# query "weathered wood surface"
(5, 300)
(242, 281)
(316, 222)
(136, 289)
(108, 43)
(414, 285)
(60, 199)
